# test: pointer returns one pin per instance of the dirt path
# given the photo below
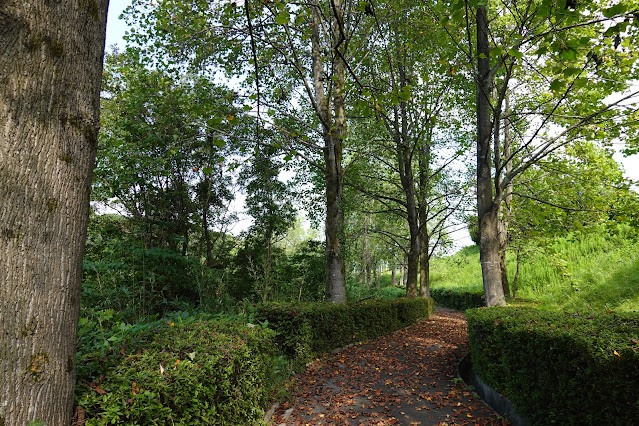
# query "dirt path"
(407, 378)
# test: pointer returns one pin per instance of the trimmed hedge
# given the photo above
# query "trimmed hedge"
(215, 371)
(307, 330)
(458, 298)
(559, 368)
(207, 372)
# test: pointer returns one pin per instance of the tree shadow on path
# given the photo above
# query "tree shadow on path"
(406, 378)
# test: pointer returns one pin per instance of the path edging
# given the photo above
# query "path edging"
(491, 397)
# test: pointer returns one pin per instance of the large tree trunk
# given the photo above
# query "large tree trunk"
(332, 114)
(422, 203)
(335, 268)
(504, 213)
(487, 208)
(424, 266)
(408, 184)
(50, 73)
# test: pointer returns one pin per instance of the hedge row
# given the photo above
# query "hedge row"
(304, 331)
(194, 371)
(207, 372)
(456, 298)
(559, 368)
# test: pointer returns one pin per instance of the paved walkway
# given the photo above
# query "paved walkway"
(407, 378)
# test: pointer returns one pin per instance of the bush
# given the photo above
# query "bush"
(307, 330)
(558, 367)
(206, 371)
(458, 298)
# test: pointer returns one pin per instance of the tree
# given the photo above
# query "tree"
(159, 159)
(293, 63)
(562, 60)
(51, 62)
(419, 106)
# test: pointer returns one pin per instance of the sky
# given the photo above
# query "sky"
(115, 27)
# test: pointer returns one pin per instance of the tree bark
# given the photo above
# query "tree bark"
(407, 178)
(504, 213)
(487, 204)
(332, 114)
(51, 69)
(408, 184)
(422, 203)
(424, 267)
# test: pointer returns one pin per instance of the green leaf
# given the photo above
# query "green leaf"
(570, 71)
(569, 54)
(612, 31)
(283, 17)
(556, 85)
(617, 9)
(580, 82)
(542, 51)
(515, 53)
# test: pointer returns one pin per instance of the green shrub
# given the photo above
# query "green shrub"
(208, 371)
(458, 298)
(390, 292)
(307, 330)
(558, 367)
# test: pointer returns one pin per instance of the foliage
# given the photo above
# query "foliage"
(307, 330)
(596, 269)
(572, 190)
(262, 274)
(182, 370)
(458, 298)
(580, 368)
(119, 273)
(159, 160)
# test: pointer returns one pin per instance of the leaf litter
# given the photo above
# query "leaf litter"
(406, 378)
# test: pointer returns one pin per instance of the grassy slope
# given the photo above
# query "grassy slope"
(593, 271)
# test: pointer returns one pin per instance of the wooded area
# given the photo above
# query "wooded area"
(388, 124)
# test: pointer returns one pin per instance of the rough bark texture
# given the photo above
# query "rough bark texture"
(50, 73)
(424, 267)
(408, 184)
(422, 202)
(332, 114)
(504, 213)
(407, 177)
(487, 208)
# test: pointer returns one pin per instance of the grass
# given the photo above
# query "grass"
(598, 270)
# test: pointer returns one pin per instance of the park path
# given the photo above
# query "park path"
(406, 378)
